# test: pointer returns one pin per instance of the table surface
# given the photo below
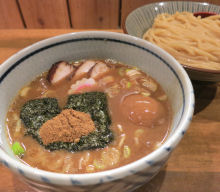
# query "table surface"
(195, 164)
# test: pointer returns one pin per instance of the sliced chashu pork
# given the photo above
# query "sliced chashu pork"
(98, 70)
(84, 68)
(59, 71)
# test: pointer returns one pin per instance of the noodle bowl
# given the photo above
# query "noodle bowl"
(193, 41)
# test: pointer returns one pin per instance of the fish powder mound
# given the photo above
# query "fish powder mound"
(68, 126)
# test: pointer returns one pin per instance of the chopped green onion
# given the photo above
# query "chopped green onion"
(128, 85)
(158, 144)
(149, 84)
(98, 164)
(127, 151)
(138, 132)
(145, 94)
(122, 140)
(132, 73)
(110, 156)
(162, 98)
(136, 68)
(121, 71)
(90, 168)
(127, 70)
(18, 149)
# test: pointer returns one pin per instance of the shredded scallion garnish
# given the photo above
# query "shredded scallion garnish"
(121, 71)
(18, 149)
(128, 85)
(98, 164)
(127, 151)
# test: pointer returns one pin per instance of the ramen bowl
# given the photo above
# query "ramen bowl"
(22, 67)
(142, 18)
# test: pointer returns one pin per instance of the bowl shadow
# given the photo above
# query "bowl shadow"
(155, 184)
(205, 92)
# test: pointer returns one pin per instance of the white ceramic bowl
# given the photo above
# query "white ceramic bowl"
(22, 67)
(142, 18)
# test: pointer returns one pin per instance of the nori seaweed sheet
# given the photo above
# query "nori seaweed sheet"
(35, 113)
(94, 103)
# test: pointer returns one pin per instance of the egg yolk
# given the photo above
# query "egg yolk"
(142, 110)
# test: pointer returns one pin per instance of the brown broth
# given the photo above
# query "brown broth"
(140, 139)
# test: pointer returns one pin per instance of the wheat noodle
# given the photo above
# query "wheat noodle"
(193, 41)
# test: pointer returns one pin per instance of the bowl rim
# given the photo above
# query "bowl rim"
(117, 173)
(165, 3)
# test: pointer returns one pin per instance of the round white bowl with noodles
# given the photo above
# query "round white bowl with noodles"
(141, 20)
(22, 67)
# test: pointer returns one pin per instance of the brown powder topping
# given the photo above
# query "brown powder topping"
(68, 126)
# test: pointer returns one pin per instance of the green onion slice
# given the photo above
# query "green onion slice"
(145, 94)
(128, 85)
(121, 71)
(18, 149)
(127, 151)
(98, 164)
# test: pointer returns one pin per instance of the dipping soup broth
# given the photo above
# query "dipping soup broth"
(139, 109)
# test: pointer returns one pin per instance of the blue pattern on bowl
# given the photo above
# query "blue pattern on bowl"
(109, 178)
(45, 179)
(6, 164)
(168, 149)
(150, 163)
(133, 171)
(21, 171)
(183, 133)
(75, 182)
